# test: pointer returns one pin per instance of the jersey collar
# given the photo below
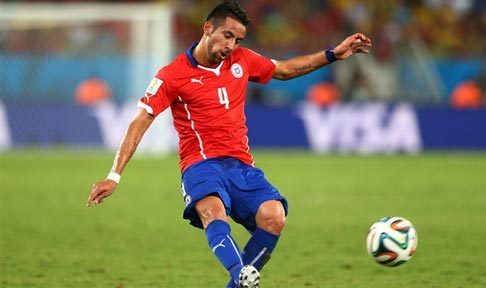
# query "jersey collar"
(195, 64)
(190, 56)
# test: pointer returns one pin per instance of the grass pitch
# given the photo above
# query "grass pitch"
(137, 238)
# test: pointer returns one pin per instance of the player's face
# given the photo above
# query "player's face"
(223, 39)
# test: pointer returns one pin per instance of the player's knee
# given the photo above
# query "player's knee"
(271, 217)
(275, 224)
(209, 209)
(211, 214)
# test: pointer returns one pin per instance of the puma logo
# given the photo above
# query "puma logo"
(193, 80)
(219, 245)
(147, 97)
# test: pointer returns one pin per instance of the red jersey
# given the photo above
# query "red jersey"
(208, 104)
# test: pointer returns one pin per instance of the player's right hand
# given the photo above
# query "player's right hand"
(357, 43)
(100, 191)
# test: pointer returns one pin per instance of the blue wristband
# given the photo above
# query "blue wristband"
(330, 56)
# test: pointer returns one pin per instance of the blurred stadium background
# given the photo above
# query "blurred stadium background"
(72, 71)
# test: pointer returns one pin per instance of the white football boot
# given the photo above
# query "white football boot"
(249, 277)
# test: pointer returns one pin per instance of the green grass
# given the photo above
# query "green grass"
(137, 238)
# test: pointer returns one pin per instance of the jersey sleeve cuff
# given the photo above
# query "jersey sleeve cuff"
(147, 108)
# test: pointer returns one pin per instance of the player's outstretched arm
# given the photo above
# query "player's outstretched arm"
(298, 66)
(134, 134)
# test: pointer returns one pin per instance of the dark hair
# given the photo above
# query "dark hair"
(228, 9)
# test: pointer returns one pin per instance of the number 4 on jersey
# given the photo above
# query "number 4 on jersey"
(223, 97)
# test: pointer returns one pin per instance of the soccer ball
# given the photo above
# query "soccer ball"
(392, 241)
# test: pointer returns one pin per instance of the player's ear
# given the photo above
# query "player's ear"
(208, 28)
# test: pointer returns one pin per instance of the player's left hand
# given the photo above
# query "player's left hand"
(357, 43)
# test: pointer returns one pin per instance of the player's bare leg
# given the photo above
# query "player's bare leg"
(271, 217)
(209, 209)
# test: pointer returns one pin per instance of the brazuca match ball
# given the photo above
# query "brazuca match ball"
(392, 241)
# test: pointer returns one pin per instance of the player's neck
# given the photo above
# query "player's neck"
(200, 54)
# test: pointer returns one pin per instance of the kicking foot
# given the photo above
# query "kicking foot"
(249, 277)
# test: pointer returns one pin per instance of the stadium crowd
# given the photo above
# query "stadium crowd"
(449, 28)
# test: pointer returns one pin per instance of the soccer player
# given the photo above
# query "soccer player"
(205, 88)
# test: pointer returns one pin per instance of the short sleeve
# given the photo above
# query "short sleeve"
(159, 95)
(261, 69)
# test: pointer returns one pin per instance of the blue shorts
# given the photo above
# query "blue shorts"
(241, 187)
